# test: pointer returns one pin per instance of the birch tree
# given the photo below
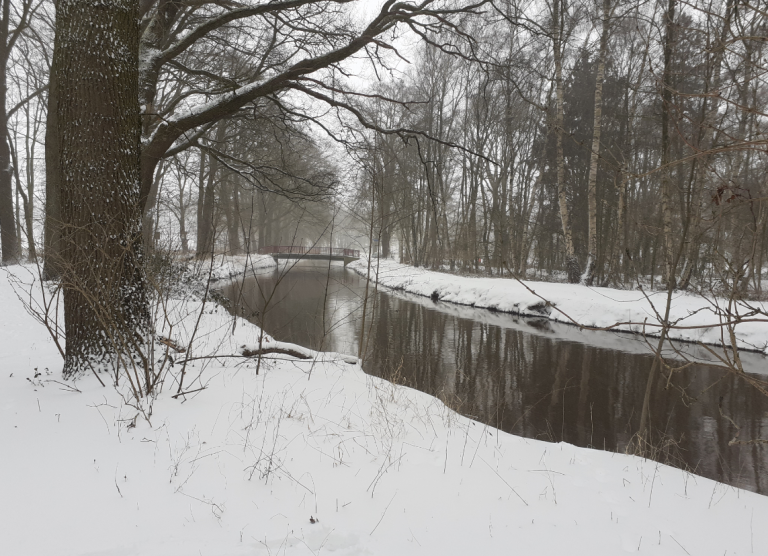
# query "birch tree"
(589, 271)
(558, 36)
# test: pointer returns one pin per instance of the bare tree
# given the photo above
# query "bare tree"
(589, 271)
(559, 37)
(95, 66)
(105, 67)
(13, 21)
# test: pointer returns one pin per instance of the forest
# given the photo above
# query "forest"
(383, 277)
(587, 141)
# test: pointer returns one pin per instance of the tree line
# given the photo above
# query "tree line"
(603, 142)
(137, 92)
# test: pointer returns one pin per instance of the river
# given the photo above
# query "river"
(529, 377)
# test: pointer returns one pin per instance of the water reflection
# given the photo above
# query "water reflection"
(515, 374)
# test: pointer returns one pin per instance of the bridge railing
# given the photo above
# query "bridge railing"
(297, 250)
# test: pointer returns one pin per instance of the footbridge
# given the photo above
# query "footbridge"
(311, 253)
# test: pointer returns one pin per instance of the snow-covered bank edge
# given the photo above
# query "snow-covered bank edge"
(310, 457)
(222, 269)
(229, 267)
(588, 306)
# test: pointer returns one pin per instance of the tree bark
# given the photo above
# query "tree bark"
(571, 262)
(589, 272)
(666, 181)
(150, 215)
(206, 228)
(52, 226)
(27, 198)
(9, 241)
(28, 206)
(232, 213)
(98, 129)
(183, 224)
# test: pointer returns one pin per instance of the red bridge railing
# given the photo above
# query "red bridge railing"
(296, 250)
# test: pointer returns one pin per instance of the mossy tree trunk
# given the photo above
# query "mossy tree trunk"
(98, 129)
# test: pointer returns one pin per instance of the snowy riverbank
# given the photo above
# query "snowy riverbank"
(696, 318)
(228, 267)
(314, 456)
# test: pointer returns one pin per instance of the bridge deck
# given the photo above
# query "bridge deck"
(311, 253)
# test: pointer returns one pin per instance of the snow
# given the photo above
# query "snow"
(227, 267)
(696, 317)
(248, 464)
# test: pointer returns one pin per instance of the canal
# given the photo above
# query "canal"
(529, 377)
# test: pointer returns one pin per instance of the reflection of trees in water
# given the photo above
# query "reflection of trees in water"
(561, 391)
(581, 425)
(532, 385)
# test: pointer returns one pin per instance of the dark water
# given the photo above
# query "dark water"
(529, 377)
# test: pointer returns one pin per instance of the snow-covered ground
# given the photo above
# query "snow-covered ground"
(226, 267)
(696, 319)
(314, 457)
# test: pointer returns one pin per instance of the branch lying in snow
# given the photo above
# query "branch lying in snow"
(280, 348)
(202, 357)
(268, 345)
(189, 392)
(267, 350)
(285, 348)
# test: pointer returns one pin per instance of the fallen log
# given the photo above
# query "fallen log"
(267, 350)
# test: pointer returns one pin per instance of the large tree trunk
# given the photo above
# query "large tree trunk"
(98, 130)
